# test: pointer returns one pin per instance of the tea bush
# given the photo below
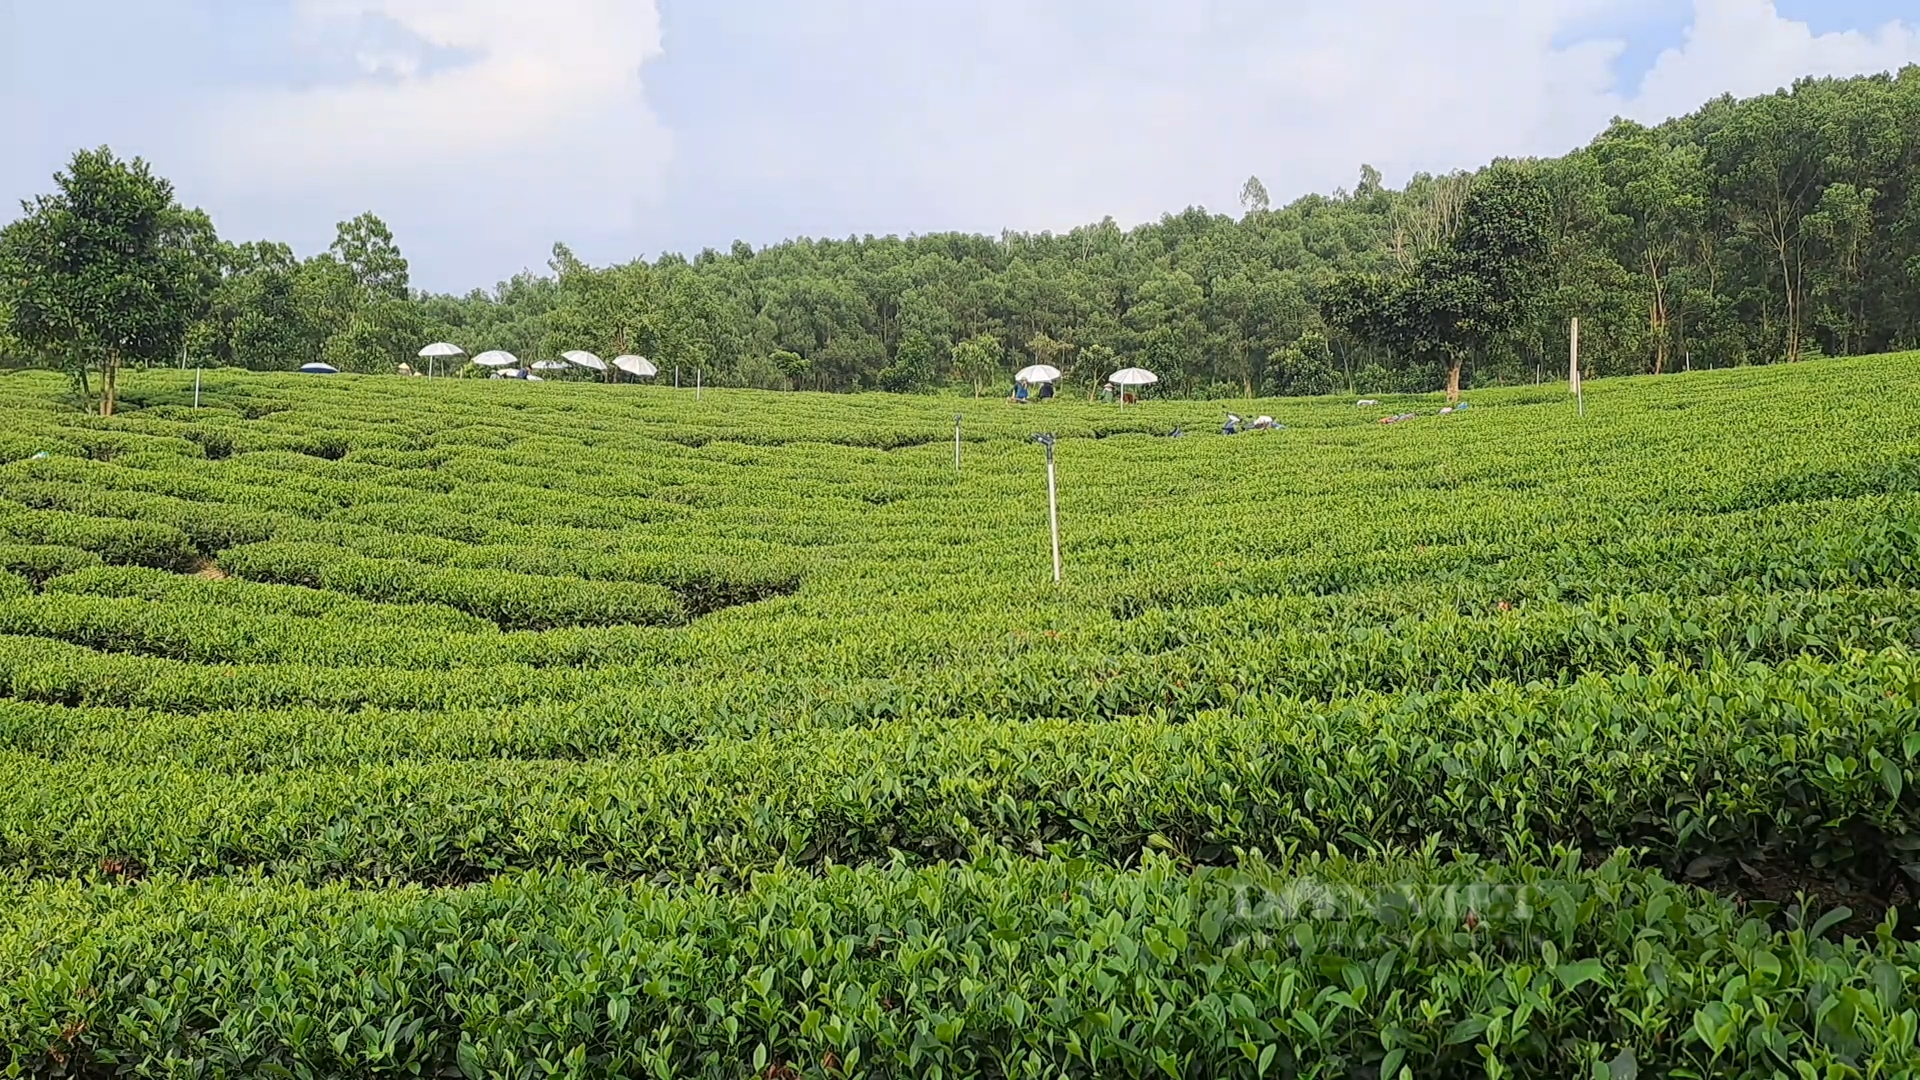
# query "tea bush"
(357, 726)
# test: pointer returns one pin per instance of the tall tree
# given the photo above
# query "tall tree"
(365, 246)
(1766, 163)
(1728, 236)
(978, 360)
(1659, 194)
(1253, 196)
(1463, 293)
(108, 269)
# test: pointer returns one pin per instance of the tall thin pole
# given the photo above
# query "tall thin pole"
(1053, 513)
(696, 384)
(1053, 504)
(956, 444)
(1579, 389)
(196, 388)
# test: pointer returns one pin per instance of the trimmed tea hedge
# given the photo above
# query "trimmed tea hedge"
(404, 726)
(1002, 968)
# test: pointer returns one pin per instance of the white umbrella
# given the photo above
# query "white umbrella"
(319, 369)
(549, 365)
(437, 350)
(585, 359)
(497, 358)
(1132, 376)
(1038, 373)
(638, 366)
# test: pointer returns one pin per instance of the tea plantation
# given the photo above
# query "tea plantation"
(378, 726)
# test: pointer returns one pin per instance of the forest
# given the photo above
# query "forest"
(1748, 232)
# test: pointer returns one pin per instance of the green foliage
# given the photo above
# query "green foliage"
(108, 269)
(1658, 239)
(356, 725)
(1462, 293)
(365, 247)
(978, 360)
(39, 562)
(1750, 231)
(513, 601)
(1443, 969)
(1702, 770)
(134, 543)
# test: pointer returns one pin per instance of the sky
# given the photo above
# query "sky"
(483, 131)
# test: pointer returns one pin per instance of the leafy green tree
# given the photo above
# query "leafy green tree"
(1746, 232)
(1253, 196)
(1097, 361)
(1050, 351)
(1304, 367)
(1658, 192)
(1460, 295)
(978, 360)
(365, 246)
(1765, 159)
(382, 335)
(794, 366)
(1841, 228)
(108, 269)
(328, 300)
(912, 367)
(256, 318)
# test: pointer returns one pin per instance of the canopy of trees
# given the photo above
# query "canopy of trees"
(1748, 232)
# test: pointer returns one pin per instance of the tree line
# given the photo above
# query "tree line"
(1750, 231)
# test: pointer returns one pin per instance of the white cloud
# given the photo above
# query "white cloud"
(841, 116)
(1744, 47)
(1172, 104)
(543, 116)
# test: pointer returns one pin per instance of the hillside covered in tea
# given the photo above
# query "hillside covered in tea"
(382, 726)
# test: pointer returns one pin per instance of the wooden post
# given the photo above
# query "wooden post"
(696, 384)
(956, 444)
(196, 388)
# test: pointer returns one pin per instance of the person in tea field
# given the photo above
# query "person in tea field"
(1019, 393)
(1106, 394)
(1232, 426)
(1046, 391)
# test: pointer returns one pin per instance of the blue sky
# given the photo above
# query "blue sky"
(485, 130)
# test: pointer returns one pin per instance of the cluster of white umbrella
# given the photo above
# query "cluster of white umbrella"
(1125, 378)
(505, 365)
